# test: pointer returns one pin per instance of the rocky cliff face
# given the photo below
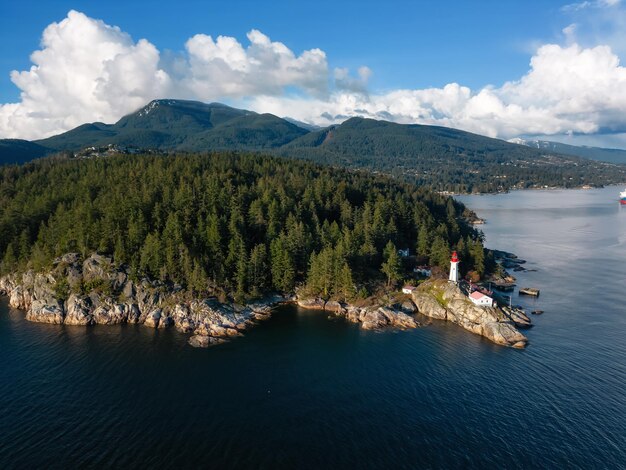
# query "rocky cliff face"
(96, 291)
(445, 301)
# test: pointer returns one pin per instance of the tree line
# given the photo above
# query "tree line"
(230, 223)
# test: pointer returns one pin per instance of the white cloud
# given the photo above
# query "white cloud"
(223, 68)
(88, 71)
(85, 71)
(343, 80)
(590, 4)
(567, 89)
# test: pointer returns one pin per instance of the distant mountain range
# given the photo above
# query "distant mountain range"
(593, 153)
(443, 158)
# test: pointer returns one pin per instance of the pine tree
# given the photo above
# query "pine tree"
(257, 272)
(392, 267)
(423, 241)
(439, 252)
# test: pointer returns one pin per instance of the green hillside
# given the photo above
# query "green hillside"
(20, 151)
(593, 153)
(438, 157)
(446, 159)
(226, 222)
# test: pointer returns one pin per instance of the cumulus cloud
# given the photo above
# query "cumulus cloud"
(223, 68)
(567, 90)
(344, 81)
(85, 71)
(88, 71)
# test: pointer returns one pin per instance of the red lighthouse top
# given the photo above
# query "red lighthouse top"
(455, 258)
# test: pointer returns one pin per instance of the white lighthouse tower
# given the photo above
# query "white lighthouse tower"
(454, 268)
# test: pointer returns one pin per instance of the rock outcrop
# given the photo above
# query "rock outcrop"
(370, 318)
(445, 301)
(97, 291)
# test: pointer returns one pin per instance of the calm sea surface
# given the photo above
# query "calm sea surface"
(305, 391)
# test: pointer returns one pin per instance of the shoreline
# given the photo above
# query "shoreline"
(95, 291)
(550, 188)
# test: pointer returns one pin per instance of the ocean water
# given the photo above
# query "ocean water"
(305, 391)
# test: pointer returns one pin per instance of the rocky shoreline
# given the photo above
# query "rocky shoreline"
(443, 300)
(369, 318)
(95, 291)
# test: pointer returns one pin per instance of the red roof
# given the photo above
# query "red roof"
(478, 295)
(409, 287)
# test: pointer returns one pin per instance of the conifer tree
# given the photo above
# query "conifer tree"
(392, 267)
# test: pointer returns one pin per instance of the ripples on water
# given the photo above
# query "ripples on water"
(305, 391)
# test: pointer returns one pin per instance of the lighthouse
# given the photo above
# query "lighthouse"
(454, 268)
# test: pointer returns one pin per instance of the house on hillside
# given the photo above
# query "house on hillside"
(408, 289)
(480, 299)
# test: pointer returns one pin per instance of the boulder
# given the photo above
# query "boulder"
(153, 318)
(166, 322)
(78, 311)
(201, 341)
(314, 303)
(98, 267)
(46, 312)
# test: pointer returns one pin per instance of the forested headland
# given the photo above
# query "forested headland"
(229, 223)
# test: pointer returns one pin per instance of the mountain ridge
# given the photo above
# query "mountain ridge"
(611, 155)
(443, 158)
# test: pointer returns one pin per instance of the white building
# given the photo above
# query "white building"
(454, 268)
(408, 289)
(480, 299)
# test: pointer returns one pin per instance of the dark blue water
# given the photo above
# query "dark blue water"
(303, 391)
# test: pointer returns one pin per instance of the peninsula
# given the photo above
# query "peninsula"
(209, 243)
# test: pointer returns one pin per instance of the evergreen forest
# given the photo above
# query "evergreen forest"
(230, 223)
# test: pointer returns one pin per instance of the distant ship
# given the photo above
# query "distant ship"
(622, 197)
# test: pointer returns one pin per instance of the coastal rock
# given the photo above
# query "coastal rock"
(153, 318)
(373, 319)
(370, 318)
(517, 316)
(335, 307)
(201, 341)
(182, 319)
(78, 311)
(266, 305)
(504, 333)
(166, 322)
(119, 299)
(408, 307)
(46, 312)
(445, 301)
(314, 303)
(16, 298)
(97, 267)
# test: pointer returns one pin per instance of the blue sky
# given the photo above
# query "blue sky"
(406, 43)
(407, 46)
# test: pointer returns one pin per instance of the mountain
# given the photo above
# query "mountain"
(20, 151)
(447, 159)
(182, 125)
(439, 157)
(592, 153)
